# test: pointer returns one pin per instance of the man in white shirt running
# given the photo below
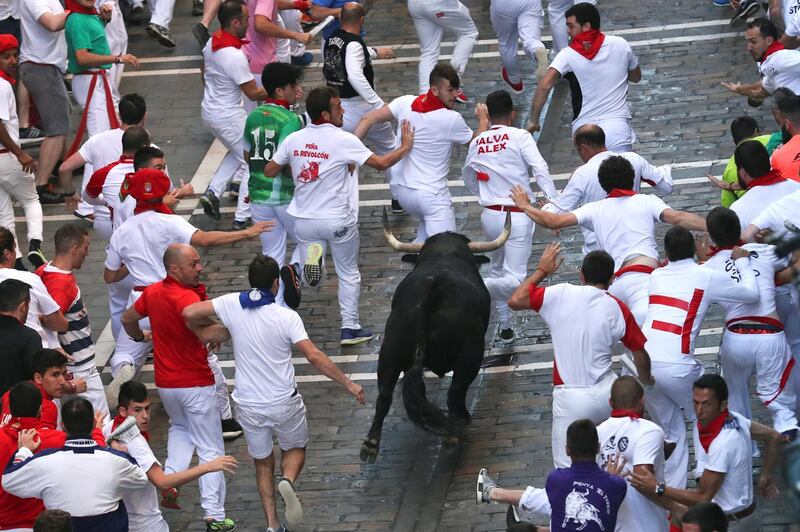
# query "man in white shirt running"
(497, 160)
(585, 323)
(723, 443)
(519, 20)
(227, 77)
(624, 225)
(598, 68)
(324, 161)
(584, 186)
(419, 182)
(266, 396)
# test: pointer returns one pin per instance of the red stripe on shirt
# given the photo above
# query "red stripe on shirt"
(536, 295)
(669, 302)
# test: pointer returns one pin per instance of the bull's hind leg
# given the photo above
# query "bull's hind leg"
(457, 394)
(387, 380)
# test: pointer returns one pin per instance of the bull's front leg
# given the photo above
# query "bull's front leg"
(387, 380)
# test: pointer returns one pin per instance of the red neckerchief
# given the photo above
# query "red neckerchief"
(776, 46)
(713, 250)
(158, 207)
(200, 289)
(8, 78)
(712, 430)
(620, 193)
(425, 103)
(621, 412)
(319, 121)
(277, 101)
(771, 178)
(222, 39)
(588, 43)
(74, 7)
(118, 419)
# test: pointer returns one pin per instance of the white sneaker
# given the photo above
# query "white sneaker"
(483, 486)
(125, 373)
(292, 505)
(542, 62)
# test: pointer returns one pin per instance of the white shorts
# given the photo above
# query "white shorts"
(287, 421)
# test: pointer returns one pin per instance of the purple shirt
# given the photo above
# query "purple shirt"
(584, 497)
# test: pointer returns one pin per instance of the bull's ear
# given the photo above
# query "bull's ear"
(481, 259)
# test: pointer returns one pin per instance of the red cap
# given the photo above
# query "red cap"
(146, 184)
(8, 42)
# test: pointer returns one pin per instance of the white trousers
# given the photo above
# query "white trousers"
(194, 426)
(127, 351)
(380, 137)
(619, 133)
(574, 402)
(229, 130)
(431, 18)
(515, 20)
(97, 119)
(433, 211)
(767, 357)
(117, 37)
(118, 295)
(95, 393)
(223, 399)
(273, 243)
(633, 289)
(672, 393)
(161, 12)
(556, 10)
(287, 48)
(786, 302)
(344, 241)
(17, 184)
(511, 259)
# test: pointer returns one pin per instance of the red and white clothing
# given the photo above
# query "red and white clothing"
(325, 202)
(585, 322)
(104, 187)
(49, 416)
(624, 227)
(497, 160)
(98, 151)
(42, 304)
(680, 294)
(222, 112)
(754, 342)
(419, 180)
(600, 89)
(781, 69)
(730, 452)
(584, 187)
(77, 341)
(775, 215)
(639, 442)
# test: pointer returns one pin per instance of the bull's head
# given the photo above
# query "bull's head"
(474, 247)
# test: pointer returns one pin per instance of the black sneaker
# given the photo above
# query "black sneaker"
(137, 15)
(291, 285)
(48, 197)
(30, 133)
(231, 429)
(35, 255)
(312, 269)
(210, 204)
(506, 335)
(239, 225)
(233, 187)
(746, 8)
(161, 34)
(303, 60)
(197, 8)
(201, 34)
(396, 207)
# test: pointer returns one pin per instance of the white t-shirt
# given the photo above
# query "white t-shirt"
(140, 242)
(584, 187)
(774, 216)
(731, 453)
(41, 304)
(426, 166)
(757, 199)
(602, 81)
(624, 227)
(225, 70)
(793, 21)
(498, 159)
(40, 45)
(120, 210)
(262, 347)
(640, 442)
(585, 322)
(8, 111)
(781, 69)
(321, 158)
(101, 149)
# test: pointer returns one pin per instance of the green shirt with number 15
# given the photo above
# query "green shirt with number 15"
(266, 128)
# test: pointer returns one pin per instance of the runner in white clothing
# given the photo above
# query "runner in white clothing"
(584, 186)
(324, 160)
(598, 67)
(497, 160)
(267, 400)
(585, 323)
(680, 294)
(419, 181)
(774, 218)
(624, 225)
(515, 20)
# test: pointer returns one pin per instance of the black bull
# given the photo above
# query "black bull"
(440, 313)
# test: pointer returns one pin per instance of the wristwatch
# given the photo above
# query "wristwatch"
(661, 487)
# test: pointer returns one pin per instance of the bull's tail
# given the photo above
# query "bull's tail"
(420, 411)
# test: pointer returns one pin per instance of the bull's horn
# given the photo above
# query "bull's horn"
(404, 247)
(483, 247)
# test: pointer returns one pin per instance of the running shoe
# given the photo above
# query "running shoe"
(169, 499)
(291, 285)
(721, 3)
(197, 8)
(746, 9)
(161, 34)
(516, 88)
(233, 186)
(312, 269)
(239, 225)
(201, 34)
(231, 429)
(225, 525)
(355, 337)
(396, 207)
(302, 60)
(125, 373)
(137, 15)
(210, 204)
(484, 486)
(30, 133)
(542, 62)
(461, 97)
(36, 257)
(292, 506)
(47, 196)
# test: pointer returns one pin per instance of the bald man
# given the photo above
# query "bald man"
(184, 378)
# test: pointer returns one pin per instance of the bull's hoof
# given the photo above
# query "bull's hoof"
(450, 441)
(369, 450)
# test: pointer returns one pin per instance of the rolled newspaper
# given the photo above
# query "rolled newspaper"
(321, 26)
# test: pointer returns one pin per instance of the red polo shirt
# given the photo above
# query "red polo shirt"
(180, 360)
